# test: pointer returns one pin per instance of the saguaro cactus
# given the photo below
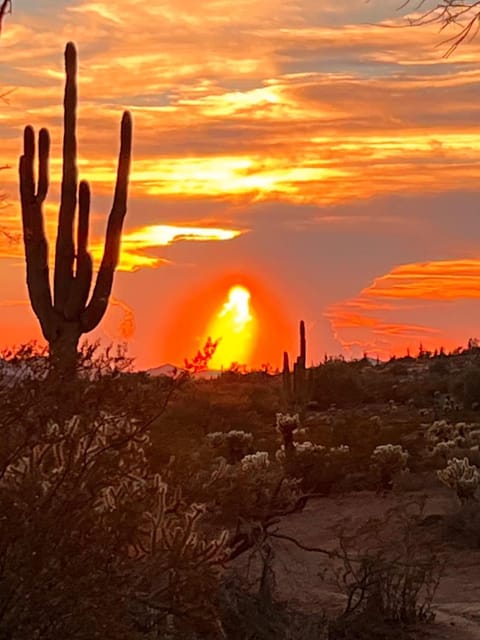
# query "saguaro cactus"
(70, 313)
(299, 368)
(286, 379)
(302, 358)
(295, 383)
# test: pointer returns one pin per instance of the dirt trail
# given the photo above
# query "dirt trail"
(302, 577)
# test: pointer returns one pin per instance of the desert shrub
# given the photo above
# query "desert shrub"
(32, 392)
(243, 496)
(439, 366)
(232, 445)
(248, 613)
(93, 543)
(361, 626)
(387, 461)
(447, 440)
(471, 386)
(463, 526)
(337, 383)
(318, 468)
(389, 574)
(356, 431)
(199, 407)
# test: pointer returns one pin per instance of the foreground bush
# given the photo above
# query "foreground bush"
(389, 572)
(92, 542)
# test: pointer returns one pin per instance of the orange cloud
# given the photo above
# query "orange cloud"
(248, 117)
(439, 280)
(373, 320)
(135, 245)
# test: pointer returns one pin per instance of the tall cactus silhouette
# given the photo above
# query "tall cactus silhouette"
(70, 313)
(299, 369)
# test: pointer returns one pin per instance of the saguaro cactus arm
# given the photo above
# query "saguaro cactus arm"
(103, 285)
(36, 246)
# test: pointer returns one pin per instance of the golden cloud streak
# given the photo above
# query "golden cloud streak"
(220, 176)
(138, 241)
(134, 243)
(438, 280)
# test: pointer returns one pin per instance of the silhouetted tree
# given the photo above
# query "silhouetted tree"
(201, 361)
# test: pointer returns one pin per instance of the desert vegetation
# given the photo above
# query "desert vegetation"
(170, 507)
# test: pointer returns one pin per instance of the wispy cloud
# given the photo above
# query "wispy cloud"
(137, 244)
(374, 320)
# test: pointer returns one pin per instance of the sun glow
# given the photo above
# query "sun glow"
(234, 327)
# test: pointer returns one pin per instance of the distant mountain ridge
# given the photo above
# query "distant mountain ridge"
(171, 370)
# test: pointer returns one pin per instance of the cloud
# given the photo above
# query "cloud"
(374, 319)
(268, 101)
(137, 244)
(440, 280)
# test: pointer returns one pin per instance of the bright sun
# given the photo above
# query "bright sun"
(234, 327)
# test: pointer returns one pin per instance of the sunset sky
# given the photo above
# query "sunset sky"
(308, 151)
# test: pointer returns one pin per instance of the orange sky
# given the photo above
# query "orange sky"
(305, 149)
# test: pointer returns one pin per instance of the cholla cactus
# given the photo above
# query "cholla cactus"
(441, 430)
(462, 477)
(444, 448)
(234, 444)
(474, 437)
(86, 487)
(258, 461)
(388, 459)
(392, 455)
(287, 422)
(216, 439)
(445, 439)
(343, 449)
(307, 447)
(300, 448)
(71, 446)
(286, 425)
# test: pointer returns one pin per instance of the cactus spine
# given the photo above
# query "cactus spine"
(70, 313)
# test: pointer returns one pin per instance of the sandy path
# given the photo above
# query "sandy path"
(301, 577)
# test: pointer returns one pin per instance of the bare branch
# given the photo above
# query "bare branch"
(5, 7)
(463, 15)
